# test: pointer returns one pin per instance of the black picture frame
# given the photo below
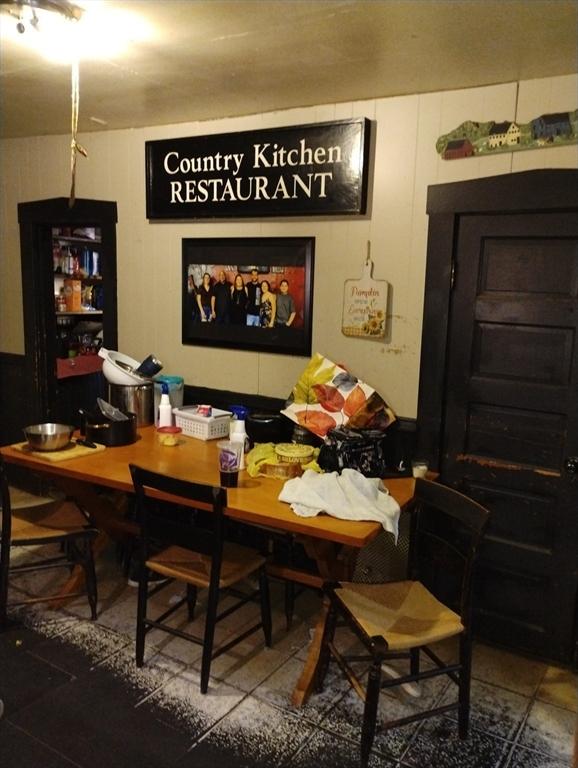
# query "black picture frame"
(275, 259)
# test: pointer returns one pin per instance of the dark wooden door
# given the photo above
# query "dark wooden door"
(511, 418)
(499, 393)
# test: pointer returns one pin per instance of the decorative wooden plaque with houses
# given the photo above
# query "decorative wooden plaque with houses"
(365, 305)
(473, 138)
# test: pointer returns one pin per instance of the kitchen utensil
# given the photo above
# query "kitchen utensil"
(112, 433)
(268, 428)
(110, 411)
(48, 436)
(120, 369)
(150, 366)
(86, 443)
(134, 398)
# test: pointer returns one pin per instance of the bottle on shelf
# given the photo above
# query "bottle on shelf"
(95, 265)
(61, 301)
(75, 263)
(62, 337)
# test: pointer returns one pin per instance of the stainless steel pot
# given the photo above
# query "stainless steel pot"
(136, 399)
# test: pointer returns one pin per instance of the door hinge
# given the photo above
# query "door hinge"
(452, 274)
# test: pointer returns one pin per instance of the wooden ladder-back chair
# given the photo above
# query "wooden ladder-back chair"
(196, 553)
(61, 523)
(398, 620)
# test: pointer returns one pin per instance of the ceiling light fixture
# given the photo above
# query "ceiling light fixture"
(86, 30)
(69, 12)
(25, 11)
(65, 33)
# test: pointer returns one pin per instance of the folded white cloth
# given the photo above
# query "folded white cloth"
(350, 496)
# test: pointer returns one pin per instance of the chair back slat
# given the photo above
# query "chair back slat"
(167, 522)
(446, 531)
(6, 509)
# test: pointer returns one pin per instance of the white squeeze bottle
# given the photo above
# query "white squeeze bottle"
(239, 435)
(165, 407)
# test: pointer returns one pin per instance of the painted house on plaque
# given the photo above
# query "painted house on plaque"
(549, 126)
(504, 134)
(458, 148)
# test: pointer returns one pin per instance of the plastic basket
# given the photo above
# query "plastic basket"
(203, 427)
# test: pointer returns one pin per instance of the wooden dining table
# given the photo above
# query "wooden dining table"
(100, 479)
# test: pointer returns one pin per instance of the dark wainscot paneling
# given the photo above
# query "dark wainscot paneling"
(13, 397)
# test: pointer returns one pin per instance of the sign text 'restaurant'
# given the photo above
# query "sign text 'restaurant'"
(311, 169)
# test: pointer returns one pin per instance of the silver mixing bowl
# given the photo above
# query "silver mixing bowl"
(48, 437)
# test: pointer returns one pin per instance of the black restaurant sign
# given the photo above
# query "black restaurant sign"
(306, 170)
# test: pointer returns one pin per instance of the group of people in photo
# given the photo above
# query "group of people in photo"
(251, 303)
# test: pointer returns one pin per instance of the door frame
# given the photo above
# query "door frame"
(548, 190)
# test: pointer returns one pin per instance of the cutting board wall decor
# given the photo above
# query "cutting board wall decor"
(365, 305)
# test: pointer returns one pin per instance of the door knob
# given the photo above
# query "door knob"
(571, 465)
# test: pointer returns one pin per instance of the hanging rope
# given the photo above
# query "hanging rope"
(74, 145)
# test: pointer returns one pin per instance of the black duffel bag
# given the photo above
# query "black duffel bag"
(360, 449)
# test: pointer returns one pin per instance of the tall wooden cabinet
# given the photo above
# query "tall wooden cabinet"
(69, 301)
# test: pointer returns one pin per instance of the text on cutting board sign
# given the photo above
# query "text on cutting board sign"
(365, 305)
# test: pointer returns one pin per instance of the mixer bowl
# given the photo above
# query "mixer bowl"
(120, 369)
(48, 436)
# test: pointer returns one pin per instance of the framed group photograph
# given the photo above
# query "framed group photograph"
(252, 293)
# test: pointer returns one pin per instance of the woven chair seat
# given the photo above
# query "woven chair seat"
(401, 619)
(404, 613)
(28, 520)
(20, 498)
(53, 520)
(195, 568)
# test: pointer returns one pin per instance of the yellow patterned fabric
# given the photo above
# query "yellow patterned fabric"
(404, 613)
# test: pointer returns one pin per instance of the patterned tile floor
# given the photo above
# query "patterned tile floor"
(73, 697)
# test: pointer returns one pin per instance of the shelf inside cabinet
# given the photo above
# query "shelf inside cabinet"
(91, 312)
(81, 365)
(71, 240)
(89, 280)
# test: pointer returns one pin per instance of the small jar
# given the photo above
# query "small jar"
(168, 436)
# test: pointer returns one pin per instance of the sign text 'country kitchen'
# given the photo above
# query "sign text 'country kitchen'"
(295, 171)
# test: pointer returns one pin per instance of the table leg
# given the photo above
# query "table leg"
(75, 581)
(335, 563)
(106, 514)
(306, 681)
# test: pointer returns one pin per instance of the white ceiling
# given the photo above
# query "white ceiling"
(218, 58)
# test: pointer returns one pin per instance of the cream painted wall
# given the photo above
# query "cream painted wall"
(149, 254)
